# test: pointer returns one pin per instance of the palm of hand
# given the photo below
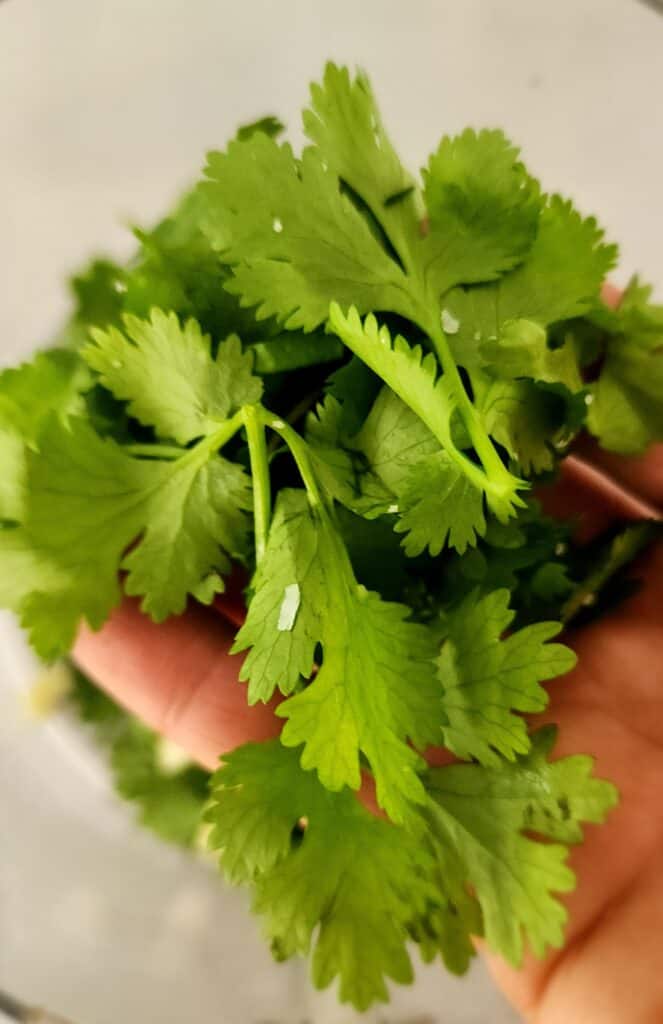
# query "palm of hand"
(179, 678)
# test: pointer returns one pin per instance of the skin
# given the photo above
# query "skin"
(180, 679)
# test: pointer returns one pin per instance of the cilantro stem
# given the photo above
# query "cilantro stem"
(498, 480)
(155, 451)
(262, 495)
(214, 441)
(300, 453)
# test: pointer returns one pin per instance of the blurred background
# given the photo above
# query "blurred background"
(106, 111)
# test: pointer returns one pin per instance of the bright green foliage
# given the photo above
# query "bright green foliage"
(486, 678)
(394, 465)
(357, 701)
(345, 125)
(627, 410)
(483, 210)
(439, 506)
(528, 420)
(560, 279)
(523, 351)
(482, 816)
(166, 372)
(293, 240)
(413, 376)
(501, 333)
(325, 873)
(51, 385)
(87, 501)
(403, 357)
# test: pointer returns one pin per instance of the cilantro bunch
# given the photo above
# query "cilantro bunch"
(347, 382)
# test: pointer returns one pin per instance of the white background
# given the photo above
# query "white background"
(106, 110)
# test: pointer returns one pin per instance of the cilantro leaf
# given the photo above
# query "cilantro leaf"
(166, 372)
(292, 239)
(342, 466)
(268, 125)
(87, 501)
(305, 595)
(414, 377)
(438, 336)
(483, 210)
(439, 505)
(626, 413)
(325, 873)
(529, 420)
(345, 124)
(480, 817)
(52, 384)
(395, 465)
(486, 678)
(523, 351)
(98, 293)
(561, 278)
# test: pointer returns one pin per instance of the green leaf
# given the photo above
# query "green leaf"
(326, 875)
(482, 818)
(87, 501)
(522, 350)
(166, 372)
(415, 379)
(12, 476)
(438, 505)
(532, 421)
(483, 210)
(626, 413)
(269, 125)
(394, 465)
(345, 124)
(342, 466)
(279, 658)
(53, 383)
(98, 293)
(305, 595)
(292, 239)
(487, 677)
(561, 278)
(292, 351)
(176, 269)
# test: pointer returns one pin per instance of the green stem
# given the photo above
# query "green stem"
(300, 453)
(262, 496)
(214, 441)
(498, 479)
(155, 451)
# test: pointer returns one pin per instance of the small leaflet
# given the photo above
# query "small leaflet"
(289, 607)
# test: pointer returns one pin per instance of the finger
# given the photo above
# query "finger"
(178, 677)
(584, 494)
(642, 475)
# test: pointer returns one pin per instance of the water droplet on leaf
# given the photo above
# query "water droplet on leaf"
(450, 324)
